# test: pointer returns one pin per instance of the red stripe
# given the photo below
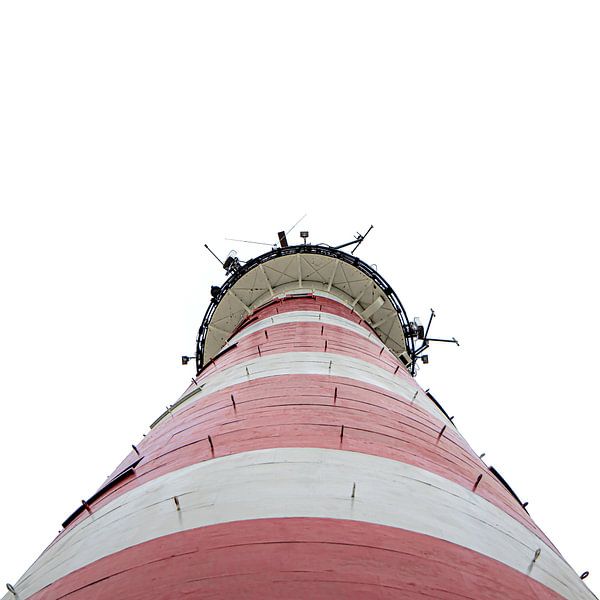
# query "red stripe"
(300, 411)
(296, 559)
(304, 336)
(307, 337)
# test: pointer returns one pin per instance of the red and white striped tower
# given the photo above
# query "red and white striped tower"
(304, 461)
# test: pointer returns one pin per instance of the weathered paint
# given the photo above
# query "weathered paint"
(309, 337)
(314, 363)
(297, 559)
(300, 316)
(304, 482)
(301, 412)
(308, 444)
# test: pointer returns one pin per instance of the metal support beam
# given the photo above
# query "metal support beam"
(212, 327)
(373, 307)
(266, 279)
(335, 268)
(357, 299)
(240, 302)
(384, 320)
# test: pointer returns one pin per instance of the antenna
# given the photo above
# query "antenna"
(250, 242)
(231, 263)
(296, 224)
(281, 235)
(360, 239)
(415, 330)
(430, 319)
(357, 241)
(206, 246)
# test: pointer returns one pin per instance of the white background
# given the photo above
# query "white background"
(131, 133)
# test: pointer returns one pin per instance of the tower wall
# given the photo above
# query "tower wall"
(304, 461)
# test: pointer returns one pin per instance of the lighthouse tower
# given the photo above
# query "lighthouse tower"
(303, 462)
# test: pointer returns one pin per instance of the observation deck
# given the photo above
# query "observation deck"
(298, 269)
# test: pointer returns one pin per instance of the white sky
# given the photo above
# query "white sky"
(131, 133)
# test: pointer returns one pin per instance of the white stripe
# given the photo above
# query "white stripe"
(313, 363)
(304, 482)
(291, 291)
(346, 300)
(308, 316)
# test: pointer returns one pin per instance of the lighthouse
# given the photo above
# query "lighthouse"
(304, 461)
